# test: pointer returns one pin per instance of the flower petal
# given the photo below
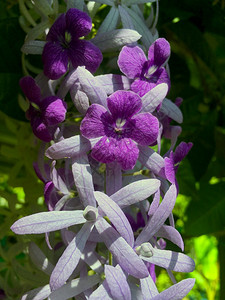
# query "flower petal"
(143, 86)
(144, 128)
(55, 60)
(84, 53)
(54, 110)
(40, 129)
(124, 104)
(78, 23)
(93, 124)
(131, 61)
(57, 30)
(105, 150)
(30, 89)
(159, 52)
(127, 154)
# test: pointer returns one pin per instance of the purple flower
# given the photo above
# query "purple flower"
(121, 129)
(44, 114)
(63, 45)
(173, 161)
(146, 73)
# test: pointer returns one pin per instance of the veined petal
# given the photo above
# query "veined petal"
(47, 221)
(177, 291)
(55, 60)
(93, 124)
(159, 52)
(40, 129)
(105, 150)
(135, 192)
(126, 257)
(54, 110)
(127, 153)
(57, 30)
(144, 128)
(30, 89)
(131, 61)
(84, 53)
(70, 147)
(70, 257)
(181, 151)
(117, 283)
(144, 85)
(78, 23)
(116, 216)
(171, 260)
(113, 82)
(159, 217)
(124, 104)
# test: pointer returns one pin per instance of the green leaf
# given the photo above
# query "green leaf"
(206, 213)
(11, 40)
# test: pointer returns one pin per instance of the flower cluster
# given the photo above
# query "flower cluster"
(107, 184)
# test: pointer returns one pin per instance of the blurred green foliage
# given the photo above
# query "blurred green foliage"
(195, 30)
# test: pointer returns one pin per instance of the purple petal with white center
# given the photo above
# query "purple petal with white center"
(170, 233)
(30, 89)
(83, 180)
(171, 110)
(47, 221)
(124, 104)
(143, 86)
(127, 154)
(121, 250)
(40, 293)
(113, 178)
(171, 260)
(177, 291)
(101, 293)
(131, 61)
(70, 147)
(54, 110)
(152, 99)
(75, 287)
(70, 257)
(84, 53)
(135, 192)
(57, 180)
(151, 160)
(78, 23)
(144, 128)
(117, 283)
(113, 82)
(116, 216)
(148, 288)
(92, 87)
(57, 30)
(159, 217)
(55, 60)
(94, 123)
(40, 129)
(159, 52)
(181, 151)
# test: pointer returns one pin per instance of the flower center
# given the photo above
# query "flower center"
(150, 71)
(66, 40)
(118, 129)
